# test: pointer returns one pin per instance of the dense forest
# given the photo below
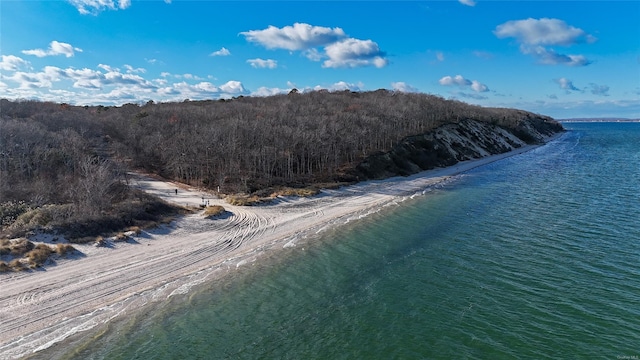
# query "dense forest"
(78, 156)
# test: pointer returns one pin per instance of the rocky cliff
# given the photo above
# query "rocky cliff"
(451, 143)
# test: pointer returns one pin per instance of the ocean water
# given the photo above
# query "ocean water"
(532, 257)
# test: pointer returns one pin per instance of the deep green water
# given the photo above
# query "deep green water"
(533, 257)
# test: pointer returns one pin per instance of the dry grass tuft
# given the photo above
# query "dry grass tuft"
(243, 200)
(5, 247)
(214, 210)
(136, 230)
(121, 237)
(64, 249)
(100, 241)
(19, 247)
(16, 265)
(301, 192)
(4, 267)
(39, 255)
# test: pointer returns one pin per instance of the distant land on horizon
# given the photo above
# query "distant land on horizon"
(598, 120)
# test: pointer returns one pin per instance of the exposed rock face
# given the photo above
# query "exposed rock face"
(451, 143)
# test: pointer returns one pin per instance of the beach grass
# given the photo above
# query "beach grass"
(214, 210)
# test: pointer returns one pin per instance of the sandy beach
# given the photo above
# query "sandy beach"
(43, 307)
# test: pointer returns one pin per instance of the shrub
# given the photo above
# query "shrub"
(11, 210)
(214, 210)
(4, 267)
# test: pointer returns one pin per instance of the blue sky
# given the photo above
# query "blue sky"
(559, 58)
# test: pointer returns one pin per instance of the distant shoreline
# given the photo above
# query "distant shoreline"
(40, 309)
(598, 120)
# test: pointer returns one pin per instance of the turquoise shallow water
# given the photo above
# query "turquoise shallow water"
(533, 257)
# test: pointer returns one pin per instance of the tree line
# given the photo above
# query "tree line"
(58, 153)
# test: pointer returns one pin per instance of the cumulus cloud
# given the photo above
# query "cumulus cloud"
(265, 91)
(263, 64)
(300, 36)
(86, 7)
(12, 63)
(341, 86)
(340, 51)
(478, 87)
(55, 48)
(131, 69)
(467, 2)
(106, 85)
(566, 84)
(601, 90)
(222, 52)
(403, 87)
(535, 34)
(460, 81)
(550, 57)
(354, 53)
(543, 31)
(313, 54)
(456, 80)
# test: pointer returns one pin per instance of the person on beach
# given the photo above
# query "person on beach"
(176, 191)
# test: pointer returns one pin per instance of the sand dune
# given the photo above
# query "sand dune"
(40, 308)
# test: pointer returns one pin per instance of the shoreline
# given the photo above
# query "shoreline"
(41, 308)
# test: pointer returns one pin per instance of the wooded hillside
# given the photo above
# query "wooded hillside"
(63, 154)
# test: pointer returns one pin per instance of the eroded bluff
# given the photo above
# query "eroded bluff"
(451, 143)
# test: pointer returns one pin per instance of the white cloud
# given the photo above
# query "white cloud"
(30, 80)
(460, 81)
(534, 34)
(107, 67)
(403, 87)
(12, 63)
(439, 56)
(550, 57)
(313, 54)
(55, 48)
(233, 87)
(457, 80)
(354, 53)
(478, 87)
(300, 36)
(467, 2)
(543, 31)
(94, 7)
(566, 84)
(343, 85)
(263, 64)
(131, 69)
(222, 52)
(265, 91)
